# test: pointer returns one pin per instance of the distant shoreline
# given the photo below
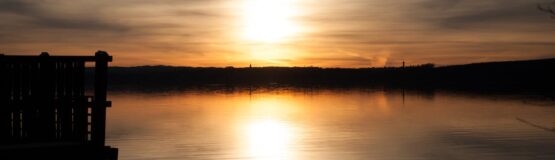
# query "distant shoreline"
(310, 66)
(506, 75)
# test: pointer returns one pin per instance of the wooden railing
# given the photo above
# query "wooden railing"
(42, 99)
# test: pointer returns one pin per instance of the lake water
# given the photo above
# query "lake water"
(355, 124)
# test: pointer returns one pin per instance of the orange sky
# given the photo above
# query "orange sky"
(328, 33)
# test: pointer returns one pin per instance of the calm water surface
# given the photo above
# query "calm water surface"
(328, 125)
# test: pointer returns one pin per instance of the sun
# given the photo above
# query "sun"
(268, 20)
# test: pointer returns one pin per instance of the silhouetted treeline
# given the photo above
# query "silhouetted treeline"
(531, 74)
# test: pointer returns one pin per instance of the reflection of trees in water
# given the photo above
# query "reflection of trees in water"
(536, 125)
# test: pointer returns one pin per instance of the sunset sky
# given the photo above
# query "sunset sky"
(327, 33)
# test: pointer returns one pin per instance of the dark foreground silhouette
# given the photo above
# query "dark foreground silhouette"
(45, 112)
(527, 75)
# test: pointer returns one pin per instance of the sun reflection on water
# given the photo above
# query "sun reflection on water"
(267, 134)
(269, 140)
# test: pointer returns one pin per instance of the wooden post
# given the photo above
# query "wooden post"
(98, 118)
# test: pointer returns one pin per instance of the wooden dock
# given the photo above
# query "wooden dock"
(44, 112)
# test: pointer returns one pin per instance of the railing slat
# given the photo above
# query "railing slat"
(5, 113)
(80, 110)
(16, 97)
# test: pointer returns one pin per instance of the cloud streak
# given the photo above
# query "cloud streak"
(350, 33)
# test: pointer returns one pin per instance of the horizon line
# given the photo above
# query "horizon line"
(413, 65)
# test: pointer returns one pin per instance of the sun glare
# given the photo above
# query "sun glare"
(268, 20)
(268, 135)
(269, 140)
